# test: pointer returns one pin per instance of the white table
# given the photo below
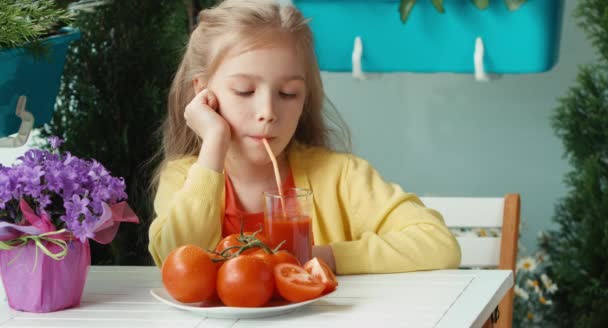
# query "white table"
(119, 297)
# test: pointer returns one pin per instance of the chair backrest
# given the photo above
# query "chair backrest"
(486, 252)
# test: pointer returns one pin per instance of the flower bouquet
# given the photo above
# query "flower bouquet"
(534, 288)
(51, 204)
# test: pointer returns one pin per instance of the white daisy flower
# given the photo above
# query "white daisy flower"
(552, 289)
(521, 293)
(548, 283)
(534, 284)
(527, 263)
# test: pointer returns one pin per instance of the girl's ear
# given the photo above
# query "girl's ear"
(198, 84)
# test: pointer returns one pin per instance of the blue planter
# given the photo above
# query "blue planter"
(36, 78)
(521, 41)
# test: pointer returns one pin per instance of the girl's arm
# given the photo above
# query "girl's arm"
(188, 208)
(188, 200)
(325, 253)
(392, 230)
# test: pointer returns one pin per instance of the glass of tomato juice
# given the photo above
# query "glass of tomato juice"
(288, 218)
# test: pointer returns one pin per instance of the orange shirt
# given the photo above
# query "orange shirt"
(234, 214)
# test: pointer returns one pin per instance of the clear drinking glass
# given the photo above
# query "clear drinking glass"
(288, 218)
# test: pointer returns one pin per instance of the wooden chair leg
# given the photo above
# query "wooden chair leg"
(505, 320)
(508, 254)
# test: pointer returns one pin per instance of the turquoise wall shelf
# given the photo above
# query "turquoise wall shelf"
(37, 79)
(522, 41)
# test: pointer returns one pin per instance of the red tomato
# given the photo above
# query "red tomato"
(245, 281)
(295, 284)
(218, 265)
(233, 240)
(320, 270)
(285, 257)
(275, 259)
(189, 275)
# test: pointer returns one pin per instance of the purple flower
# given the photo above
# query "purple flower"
(32, 157)
(30, 179)
(97, 171)
(44, 201)
(81, 232)
(55, 142)
(31, 174)
(69, 189)
(5, 186)
(77, 206)
(69, 181)
(52, 176)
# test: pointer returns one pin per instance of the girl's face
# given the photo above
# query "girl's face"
(261, 94)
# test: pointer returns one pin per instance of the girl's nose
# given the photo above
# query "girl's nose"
(266, 112)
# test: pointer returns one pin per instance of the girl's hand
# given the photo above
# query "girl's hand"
(325, 253)
(203, 118)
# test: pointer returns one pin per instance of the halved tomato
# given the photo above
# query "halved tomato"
(295, 284)
(276, 259)
(319, 269)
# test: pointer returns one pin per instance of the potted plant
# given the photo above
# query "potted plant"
(405, 6)
(438, 36)
(34, 40)
(51, 204)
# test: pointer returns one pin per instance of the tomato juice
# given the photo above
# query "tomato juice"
(295, 230)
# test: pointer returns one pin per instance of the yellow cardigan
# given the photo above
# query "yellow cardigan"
(372, 226)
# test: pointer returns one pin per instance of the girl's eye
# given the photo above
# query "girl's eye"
(243, 93)
(287, 95)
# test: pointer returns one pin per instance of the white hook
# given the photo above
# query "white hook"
(27, 123)
(283, 3)
(357, 53)
(480, 73)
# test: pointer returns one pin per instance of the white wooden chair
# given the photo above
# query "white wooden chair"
(485, 252)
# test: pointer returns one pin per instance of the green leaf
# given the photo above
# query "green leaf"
(405, 7)
(439, 5)
(481, 4)
(514, 4)
(26, 21)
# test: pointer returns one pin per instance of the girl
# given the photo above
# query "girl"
(249, 72)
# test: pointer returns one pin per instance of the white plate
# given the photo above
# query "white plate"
(220, 311)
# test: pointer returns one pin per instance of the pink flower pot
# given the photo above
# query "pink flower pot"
(38, 283)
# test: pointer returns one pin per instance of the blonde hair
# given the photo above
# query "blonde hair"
(219, 30)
